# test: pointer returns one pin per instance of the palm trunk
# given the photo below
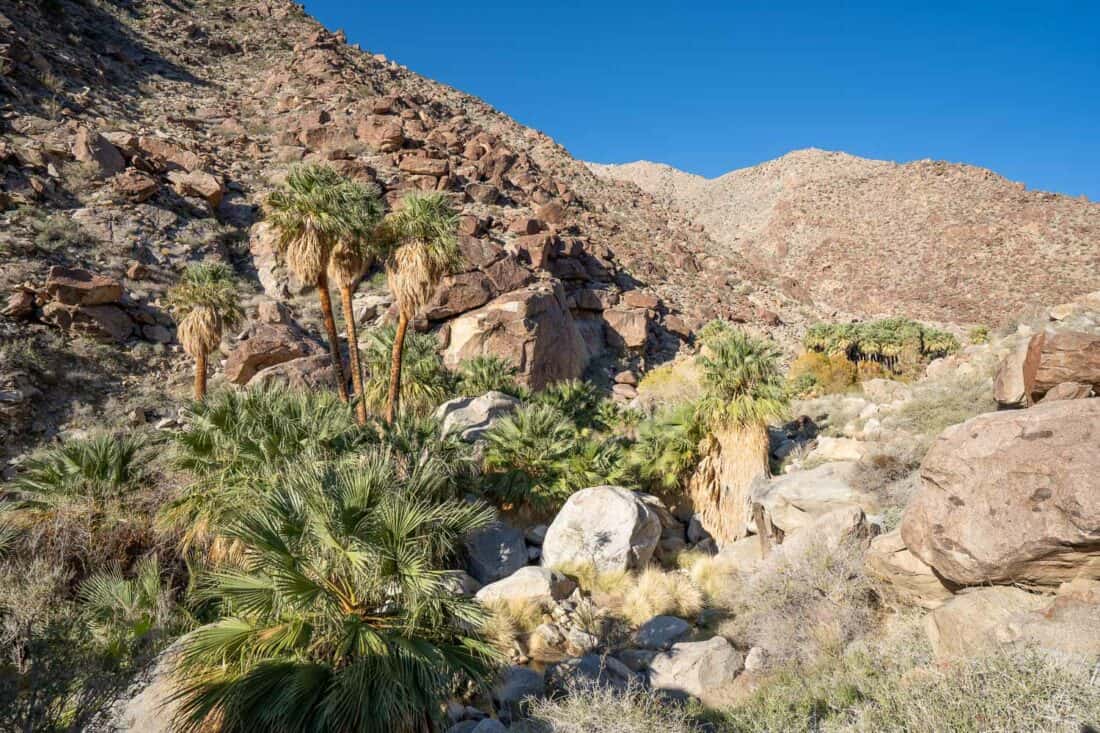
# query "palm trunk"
(200, 376)
(330, 332)
(395, 369)
(721, 487)
(353, 354)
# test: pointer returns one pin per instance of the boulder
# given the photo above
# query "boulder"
(516, 684)
(797, 499)
(744, 555)
(1010, 497)
(495, 552)
(104, 322)
(470, 417)
(607, 526)
(829, 530)
(1012, 385)
(531, 328)
(198, 184)
(268, 345)
(304, 373)
(422, 165)
(702, 669)
(591, 670)
(1067, 356)
(640, 299)
(81, 287)
(660, 632)
(458, 294)
(529, 584)
(382, 133)
(972, 623)
(93, 149)
(838, 449)
(907, 578)
(627, 328)
(134, 185)
(1068, 391)
(167, 156)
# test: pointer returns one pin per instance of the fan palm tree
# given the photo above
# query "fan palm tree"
(426, 250)
(315, 210)
(425, 380)
(743, 391)
(339, 617)
(205, 303)
(352, 256)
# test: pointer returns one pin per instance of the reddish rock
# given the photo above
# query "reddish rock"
(458, 294)
(384, 134)
(1067, 391)
(479, 252)
(552, 213)
(639, 299)
(530, 328)
(470, 226)
(135, 185)
(424, 166)
(198, 184)
(1067, 356)
(678, 326)
(167, 156)
(137, 271)
(534, 249)
(627, 377)
(525, 225)
(482, 193)
(104, 322)
(92, 148)
(1016, 375)
(81, 287)
(627, 328)
(20, 303)
(508, 274)
(304, 373)
(596, 299)
(269, 344)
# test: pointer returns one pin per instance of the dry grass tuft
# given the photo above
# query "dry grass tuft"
(593, 709)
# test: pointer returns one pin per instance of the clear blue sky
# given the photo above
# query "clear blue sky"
(709, 87)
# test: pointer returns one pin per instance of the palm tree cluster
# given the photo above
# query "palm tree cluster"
(338, 616)
(888, 341)
(330, 228)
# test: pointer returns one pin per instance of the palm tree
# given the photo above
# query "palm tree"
(339, 617)
(426, 250)
(316, 210)
(205, 304)
(352, 256)
(426, 381)
(743, 391)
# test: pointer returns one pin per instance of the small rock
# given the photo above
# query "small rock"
(661, 632)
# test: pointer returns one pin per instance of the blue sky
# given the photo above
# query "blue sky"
(709, 87)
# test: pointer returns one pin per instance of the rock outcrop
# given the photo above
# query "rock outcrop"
(1010, 497)
(702, 669)
(609, 527)
(470, 417)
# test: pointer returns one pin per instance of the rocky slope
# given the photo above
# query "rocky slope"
(927, 239)
(139, 137)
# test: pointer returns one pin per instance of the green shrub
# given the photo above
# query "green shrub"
(939, 404)
(577, 400)
(819, 373)
(486, 374)
(900, 344)
(979, 335)
(666, 448)
(96, 471)
(425, 382)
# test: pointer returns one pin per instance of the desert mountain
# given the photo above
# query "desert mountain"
(929, 239)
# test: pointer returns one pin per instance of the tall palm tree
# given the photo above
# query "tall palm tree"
(338, 618)
(743, 391)
(424, 232)
(352, 256)
(205, 303)
(315, 210)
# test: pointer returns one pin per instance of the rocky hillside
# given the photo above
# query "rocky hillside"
(139, 137)
(928, 239)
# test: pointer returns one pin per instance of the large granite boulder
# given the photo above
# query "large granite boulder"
(608, 527)
(1010, 497)
(797, 499)
(74, 286)
(530, 327)
(495, 552)
(470, 417)
(906, 577)
(589, 671)
(702, 669)
(531, 584)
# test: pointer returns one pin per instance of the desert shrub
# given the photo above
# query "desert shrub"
(671, 383)
(938, 404)
(714, 576)
(978, 335)
(594, 709)
(888, 681)
(803, 605)
(714, 331)
(655, 592)
(820, 373)
(129, 612)
(508, 620)
(58, 231)
(666, 448)
(425, 382)
(890, 472)
(483, 374)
